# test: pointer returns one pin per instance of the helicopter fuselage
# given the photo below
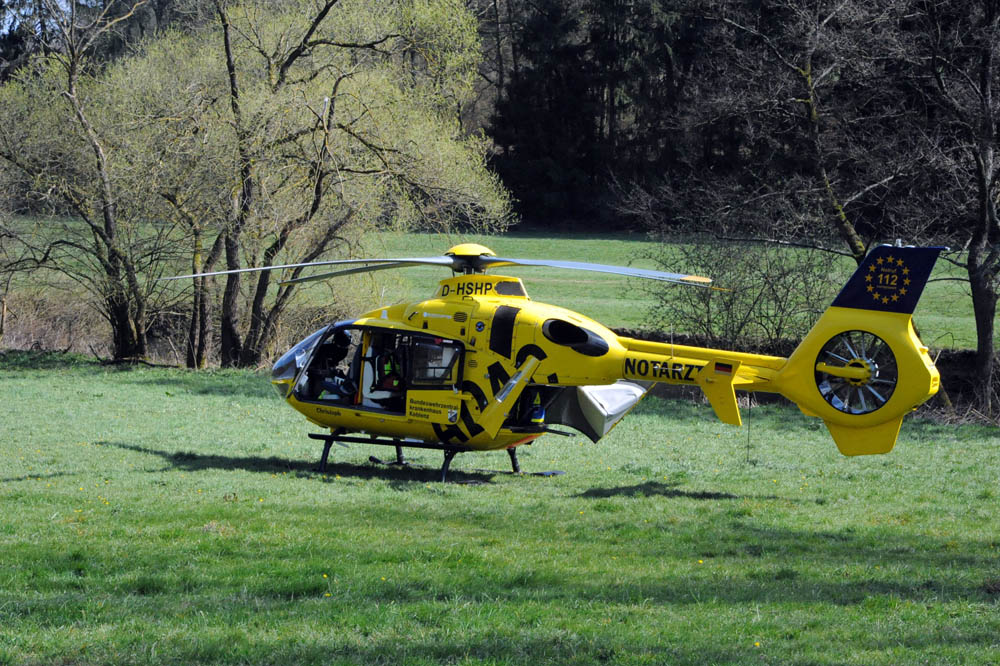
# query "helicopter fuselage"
(492, 333)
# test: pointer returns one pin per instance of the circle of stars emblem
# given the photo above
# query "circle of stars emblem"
(887, 280)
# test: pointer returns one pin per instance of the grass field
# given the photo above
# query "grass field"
(155, 516)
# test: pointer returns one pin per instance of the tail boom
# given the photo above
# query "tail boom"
(719, 373)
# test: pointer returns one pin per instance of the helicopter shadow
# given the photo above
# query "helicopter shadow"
(397, 474)
(217, 383)
(658, 489)
(33, 477)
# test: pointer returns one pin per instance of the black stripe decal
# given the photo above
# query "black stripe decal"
(445, 434)
(502, 330)
(530, 350)
(477, 393)
(470, 423)
(498, 377)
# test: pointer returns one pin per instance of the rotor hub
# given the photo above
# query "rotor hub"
(467, 257)
(871, 370)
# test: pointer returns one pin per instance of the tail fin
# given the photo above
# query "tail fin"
(862, 367)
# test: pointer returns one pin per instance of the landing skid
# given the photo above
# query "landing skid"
(450, 451)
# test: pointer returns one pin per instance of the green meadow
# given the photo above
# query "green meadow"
(158, 516)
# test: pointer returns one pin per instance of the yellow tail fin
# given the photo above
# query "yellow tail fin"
(862, 367)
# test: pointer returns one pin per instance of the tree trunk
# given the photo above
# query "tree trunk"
(190, 348)
(195, 325)
(229, 334)
(203, 329)
(984, 307)
(206, 286)
(982, 277)
(498, 25)
(232, 346)
(845, 228)
(127, 343)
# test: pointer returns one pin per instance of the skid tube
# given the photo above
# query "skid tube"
(450, 450)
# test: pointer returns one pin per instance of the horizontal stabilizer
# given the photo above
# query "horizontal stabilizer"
(868, 440)
(716, 381)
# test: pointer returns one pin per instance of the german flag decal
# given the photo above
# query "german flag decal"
(723, 368)
(890, 279)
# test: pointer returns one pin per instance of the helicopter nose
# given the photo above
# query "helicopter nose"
(282, 388)
(287, 368)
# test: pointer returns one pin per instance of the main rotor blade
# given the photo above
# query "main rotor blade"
(398, 263)
(459, 263)
(485, 262)
(393, 263)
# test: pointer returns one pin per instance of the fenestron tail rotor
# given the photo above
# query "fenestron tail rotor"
(856, 372)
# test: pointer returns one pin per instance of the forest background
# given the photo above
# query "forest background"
(139, 139)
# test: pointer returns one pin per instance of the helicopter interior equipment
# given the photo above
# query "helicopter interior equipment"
(480, 366)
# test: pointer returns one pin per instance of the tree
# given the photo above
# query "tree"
(56, 136)
(802, 130)
(24, 31)
(340, 115)
(587, 94)
(860, 122)
(770, 296)
(267, 137)
(953, 53)
(545, 126)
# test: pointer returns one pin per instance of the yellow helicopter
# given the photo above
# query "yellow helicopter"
(479, 366)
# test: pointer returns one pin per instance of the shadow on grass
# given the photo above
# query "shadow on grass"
(33, 477)
(193, 462)
(670, 490)
(20, 360)
(656, 489)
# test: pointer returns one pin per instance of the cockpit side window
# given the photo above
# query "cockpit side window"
(382, 361)
(373, 368)
(434, 362)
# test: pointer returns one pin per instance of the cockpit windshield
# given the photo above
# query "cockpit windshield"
(288, 366)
